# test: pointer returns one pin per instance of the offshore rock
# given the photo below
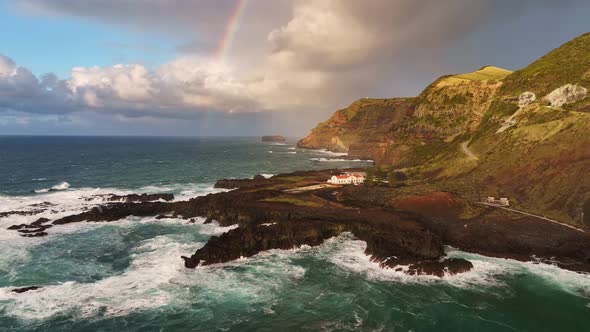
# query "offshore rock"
(274, 138)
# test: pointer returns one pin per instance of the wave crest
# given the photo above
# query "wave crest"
(60, 186)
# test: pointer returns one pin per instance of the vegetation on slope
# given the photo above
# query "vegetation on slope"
(568, 64)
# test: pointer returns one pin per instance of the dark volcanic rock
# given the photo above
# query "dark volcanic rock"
(135, 198)
(15, 227)
(36, 224)
(25, 289)
(118, 211)
(451, 266)
(257, 181)
(30, 230)
(274, 138)
(40, 221)
(399, 230)
(21, 213)
(248, 241)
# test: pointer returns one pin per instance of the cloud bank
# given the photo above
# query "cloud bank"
(288, 55)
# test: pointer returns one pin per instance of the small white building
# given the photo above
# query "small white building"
(347, 179)
(502, 201)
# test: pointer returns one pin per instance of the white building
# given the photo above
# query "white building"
(347, 179)
(502, 201)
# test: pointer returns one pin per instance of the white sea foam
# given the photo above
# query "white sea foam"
(155, 265)
(214, 229)
(268, 176)
(61, 186)
(339, 160)
(331, 153)
(293, 148)
(67, 202)
(155, 278)
(349, 253)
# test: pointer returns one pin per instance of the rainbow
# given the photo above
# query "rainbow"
(230, 29)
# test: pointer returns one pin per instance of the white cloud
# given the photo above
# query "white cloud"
(7, 66)
(288, 55)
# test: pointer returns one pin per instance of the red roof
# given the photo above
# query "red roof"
(343, 176)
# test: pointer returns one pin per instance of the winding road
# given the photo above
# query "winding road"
(533, 215)
(468, 152)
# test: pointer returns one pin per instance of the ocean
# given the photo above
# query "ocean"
(128, 276)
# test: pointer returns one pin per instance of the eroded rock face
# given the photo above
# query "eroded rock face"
(526, 99)
(567, 94)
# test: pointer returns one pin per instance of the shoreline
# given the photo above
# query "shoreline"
(402, 226)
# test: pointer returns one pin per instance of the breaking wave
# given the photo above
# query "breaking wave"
(61, 186)
(348, 253)
(340, 160)
(331, 153)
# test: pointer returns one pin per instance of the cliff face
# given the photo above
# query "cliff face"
(364, 129)
(489, 132)
(387, 130)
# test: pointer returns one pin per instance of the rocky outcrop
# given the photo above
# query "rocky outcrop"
(37, 209)
(274, 138)
(258, 180)
(451, 266)
(134, 198)
(526, 98)
(25, 289)
(566, 94)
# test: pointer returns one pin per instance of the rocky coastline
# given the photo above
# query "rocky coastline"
(406, 228)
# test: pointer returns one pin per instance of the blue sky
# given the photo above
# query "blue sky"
(150, 67)
(55, 44)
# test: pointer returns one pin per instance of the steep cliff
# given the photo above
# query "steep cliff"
(388, 130)
(364, 129)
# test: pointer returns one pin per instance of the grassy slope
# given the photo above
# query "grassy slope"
(541, 162)
(484, 74)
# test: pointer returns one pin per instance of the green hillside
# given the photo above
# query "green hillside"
(568, 64)
(477, 134)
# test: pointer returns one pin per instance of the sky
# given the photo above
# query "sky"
(248, 67)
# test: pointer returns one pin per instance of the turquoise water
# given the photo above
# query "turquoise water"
(127, 275)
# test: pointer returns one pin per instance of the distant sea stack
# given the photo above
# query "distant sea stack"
(274, 138)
